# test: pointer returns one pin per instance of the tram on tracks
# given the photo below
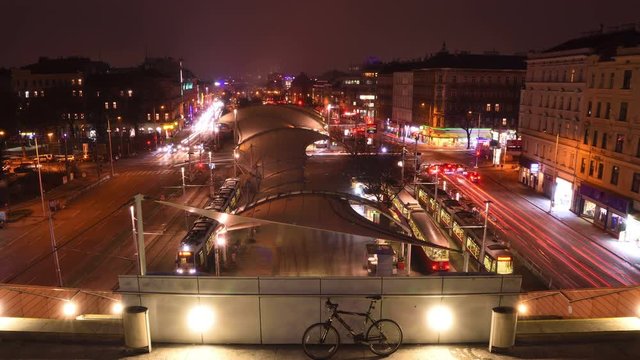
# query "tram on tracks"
(196, 252)
(423, 228)
(465, 227)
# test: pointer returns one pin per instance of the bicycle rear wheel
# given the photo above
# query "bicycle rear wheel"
(384, 337)
(320, 341)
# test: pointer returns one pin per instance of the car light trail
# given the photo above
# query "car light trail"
(584, 265)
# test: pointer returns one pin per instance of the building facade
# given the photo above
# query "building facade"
(580, 124)
(445, 97)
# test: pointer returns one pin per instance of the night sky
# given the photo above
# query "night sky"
(235, 37)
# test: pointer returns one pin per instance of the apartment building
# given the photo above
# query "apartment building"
(580, 125)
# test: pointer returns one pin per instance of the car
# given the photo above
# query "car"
(473, 176)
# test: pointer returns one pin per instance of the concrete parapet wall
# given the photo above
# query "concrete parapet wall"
(278, 310)
(583, 303)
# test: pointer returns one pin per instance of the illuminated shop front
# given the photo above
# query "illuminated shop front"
(632, 231)
(607, 210)
(529, 172)
(563, 194)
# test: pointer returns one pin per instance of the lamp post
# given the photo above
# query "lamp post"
(52, 236)
(211, 166)
(484, 232)
(236, 156)
(44, 212)
(66, 155)
(110, 147)
(554, 174)
(183, 184)
(236, 139)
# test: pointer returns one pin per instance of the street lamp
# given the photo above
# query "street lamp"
(484, 232)
(236, 156)
(236, 140)
(211, 166)
(183, 184)
(52, 236)
(554, 178)
(477, 138)
(110, 147)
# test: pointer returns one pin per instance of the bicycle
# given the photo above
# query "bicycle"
(321, 340)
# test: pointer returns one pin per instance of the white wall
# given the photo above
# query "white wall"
(278, 310)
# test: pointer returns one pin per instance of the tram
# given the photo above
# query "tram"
(424, 229)
(465, 227)
(436, 259)
(196, 252)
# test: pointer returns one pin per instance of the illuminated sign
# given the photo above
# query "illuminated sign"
(535, 168)
(367, 97)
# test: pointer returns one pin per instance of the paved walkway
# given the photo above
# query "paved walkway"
(508, 178)
(611, 349)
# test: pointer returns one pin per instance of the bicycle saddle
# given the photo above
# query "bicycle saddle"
(374, 297)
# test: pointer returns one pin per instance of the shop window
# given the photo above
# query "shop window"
(615, 174)
(589, 209)
(602, 216)
(600, 170)
(619, 143)
(635, 184)
(616, 223)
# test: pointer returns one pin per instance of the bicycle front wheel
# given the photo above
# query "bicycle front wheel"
(320, 341)
(384, 337)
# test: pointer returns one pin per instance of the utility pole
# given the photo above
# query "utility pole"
(554, 174)
(484, 233)
(236, 139)
(110, 147)
(141, 250)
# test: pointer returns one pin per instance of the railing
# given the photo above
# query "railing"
(55, 303)
(582, 303)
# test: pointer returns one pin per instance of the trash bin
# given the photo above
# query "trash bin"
(136, 328)
(504, 320)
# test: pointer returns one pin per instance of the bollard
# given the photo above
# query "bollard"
(135, 321)
(504, 320)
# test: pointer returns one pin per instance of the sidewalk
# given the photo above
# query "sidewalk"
(583, 349)
(626, 251)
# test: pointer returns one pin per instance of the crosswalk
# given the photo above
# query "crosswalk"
(148, 172)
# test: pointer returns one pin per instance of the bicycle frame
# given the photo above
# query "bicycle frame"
(367, 318)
